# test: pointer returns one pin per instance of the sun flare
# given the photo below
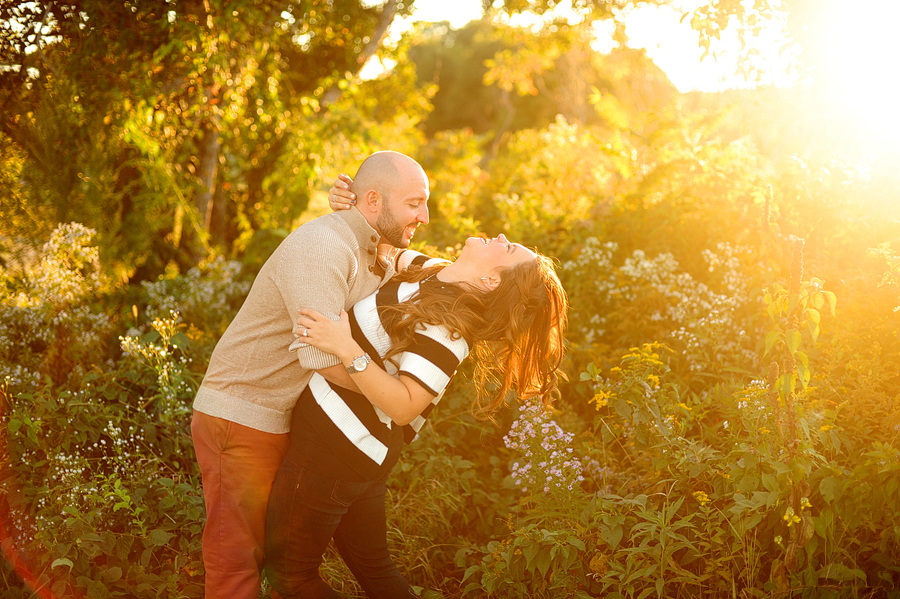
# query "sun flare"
(860, 55)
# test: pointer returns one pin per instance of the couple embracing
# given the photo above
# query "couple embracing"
(338, 355)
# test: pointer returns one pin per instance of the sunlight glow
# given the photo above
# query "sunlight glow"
(458, 12)
(665, 33)
(860, 67)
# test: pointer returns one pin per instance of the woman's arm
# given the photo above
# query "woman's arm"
(402, 399)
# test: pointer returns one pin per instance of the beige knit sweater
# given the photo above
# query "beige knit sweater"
(326, 264)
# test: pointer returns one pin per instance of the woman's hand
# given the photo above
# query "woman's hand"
(332, 337)
(339, 196)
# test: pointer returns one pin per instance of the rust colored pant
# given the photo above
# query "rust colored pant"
(238, 465)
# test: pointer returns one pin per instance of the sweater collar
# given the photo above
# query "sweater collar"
(367, 237)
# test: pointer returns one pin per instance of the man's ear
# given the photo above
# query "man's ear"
(372, 201)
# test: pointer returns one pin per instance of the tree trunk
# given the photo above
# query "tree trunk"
(388, 11)
(207, 170)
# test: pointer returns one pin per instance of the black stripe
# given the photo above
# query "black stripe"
(409, 434)
(337, 441)
(358, 336)
(365, 411)
(388, 296)
(428, 410)
(435, 352)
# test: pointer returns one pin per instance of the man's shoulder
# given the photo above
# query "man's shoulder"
(328, 230)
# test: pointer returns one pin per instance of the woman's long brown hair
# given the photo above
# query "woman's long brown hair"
(515, 331)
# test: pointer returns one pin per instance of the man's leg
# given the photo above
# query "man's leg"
(238, 465)
(361, 539)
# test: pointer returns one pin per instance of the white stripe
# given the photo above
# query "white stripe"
(366, 312)
(406, 290)
(441, 334)
(383, 417)
(432, 376)
(344, 418)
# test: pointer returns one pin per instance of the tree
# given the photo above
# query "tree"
(171, 127)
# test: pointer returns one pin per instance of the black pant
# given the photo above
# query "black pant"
(306, 510)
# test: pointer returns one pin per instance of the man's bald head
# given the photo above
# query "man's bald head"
(384, 172)
(392, 191)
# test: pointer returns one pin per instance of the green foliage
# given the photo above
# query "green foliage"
(170, 129)
(730, 426)
(97, 494)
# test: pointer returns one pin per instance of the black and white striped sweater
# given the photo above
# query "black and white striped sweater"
(339, 432)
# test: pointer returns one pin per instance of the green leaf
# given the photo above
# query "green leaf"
(832, 300)
(622, 408)
(793, 302)
(543, 562)
(785, 384)
(830, 488)
(804, 373)
(470, 571)
(836, 572)
(158, 537)
(793, 339)
(530, 552)
(576, 542)
(771, 339)
(814, 331)
(62, 562)
(179, 340)
(611, 534)
(111, 575)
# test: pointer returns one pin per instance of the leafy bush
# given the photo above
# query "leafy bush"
(730, 426)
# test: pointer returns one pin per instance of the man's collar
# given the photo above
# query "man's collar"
(365, 233)
(368, 239)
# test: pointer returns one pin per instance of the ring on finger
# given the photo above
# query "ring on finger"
(306, 332)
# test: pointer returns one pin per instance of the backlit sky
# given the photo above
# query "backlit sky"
(857, 78)
(671, 44)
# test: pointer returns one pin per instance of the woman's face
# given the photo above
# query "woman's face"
(494, 255)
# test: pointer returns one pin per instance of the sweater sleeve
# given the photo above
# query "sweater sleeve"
(315, 272)
(410, 258)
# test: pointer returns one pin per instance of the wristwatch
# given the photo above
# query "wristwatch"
(359, 363)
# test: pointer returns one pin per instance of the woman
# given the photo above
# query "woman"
(498, 299)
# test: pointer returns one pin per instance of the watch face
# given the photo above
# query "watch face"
(360, 363)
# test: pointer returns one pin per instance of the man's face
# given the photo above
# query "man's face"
(404, 211)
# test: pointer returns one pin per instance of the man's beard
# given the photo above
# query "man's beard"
(390, 230)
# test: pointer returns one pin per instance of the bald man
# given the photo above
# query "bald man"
(242, 411)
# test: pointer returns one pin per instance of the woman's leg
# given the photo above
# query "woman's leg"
(305, 510)
(361, 539)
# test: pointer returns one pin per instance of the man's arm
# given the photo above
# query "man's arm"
(339, 376)
(314, 273)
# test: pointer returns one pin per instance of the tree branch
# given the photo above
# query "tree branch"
(388, 12)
